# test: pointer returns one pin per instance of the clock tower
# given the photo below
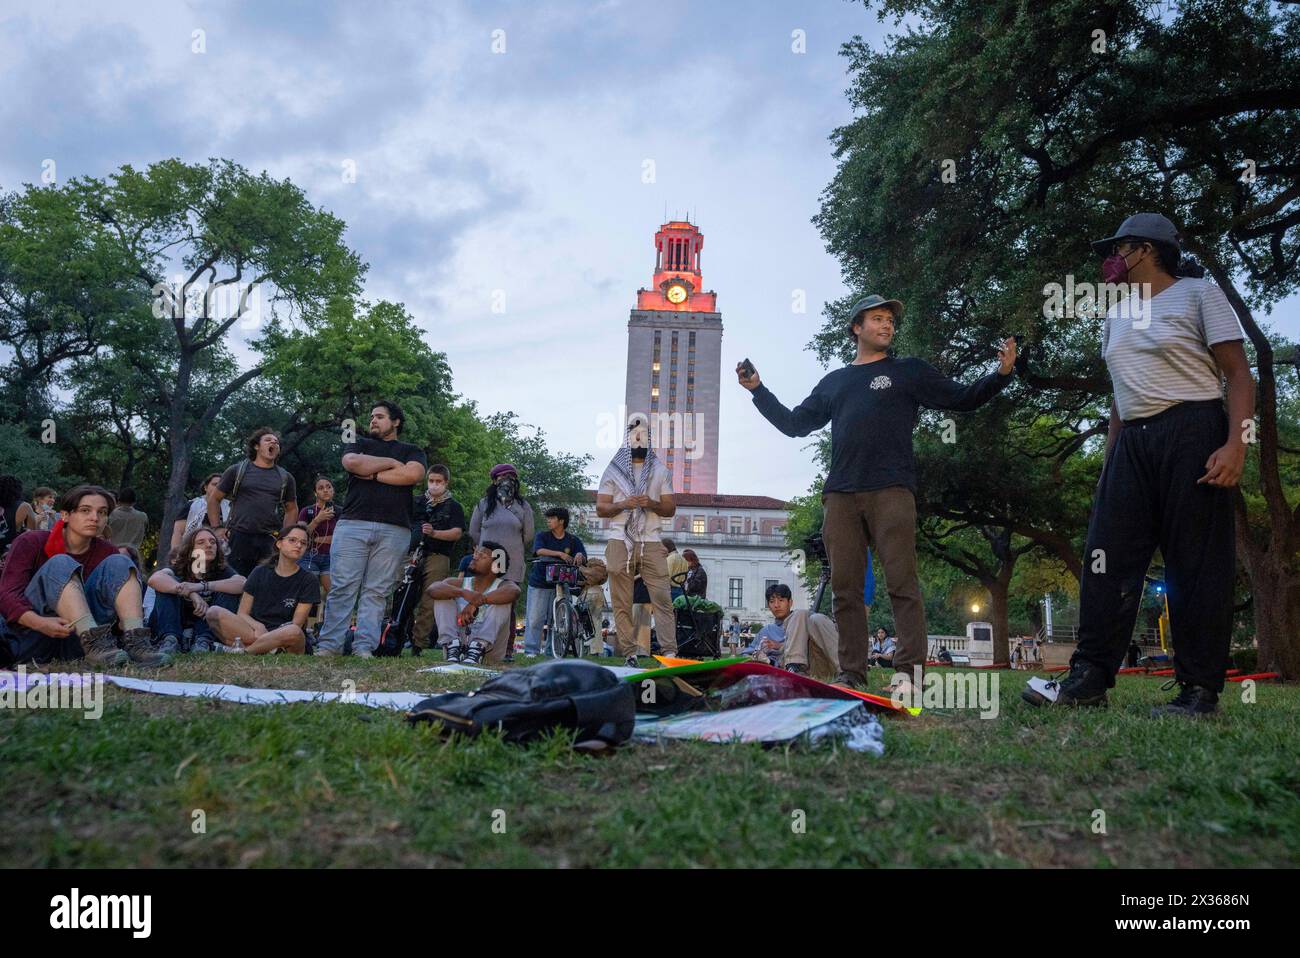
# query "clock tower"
(674, 360)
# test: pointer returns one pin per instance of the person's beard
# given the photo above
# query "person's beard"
(639, 452)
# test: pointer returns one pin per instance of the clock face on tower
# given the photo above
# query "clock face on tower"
(676, 294)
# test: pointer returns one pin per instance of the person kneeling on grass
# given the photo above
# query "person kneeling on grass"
(182, 600)
(799, 640)
(62, 591)
(471, 609)
(277, 599)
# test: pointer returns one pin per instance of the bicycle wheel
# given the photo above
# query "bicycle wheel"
(563, 628)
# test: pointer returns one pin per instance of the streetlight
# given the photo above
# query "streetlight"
(975, 607)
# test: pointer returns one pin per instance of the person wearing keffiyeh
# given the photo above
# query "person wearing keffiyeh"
(636, 493)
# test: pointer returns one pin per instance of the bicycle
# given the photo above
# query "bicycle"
(565, 638)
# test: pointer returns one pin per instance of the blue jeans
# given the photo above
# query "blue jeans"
(172, 614)
(541, 601)
(366, 559)
(101, 586)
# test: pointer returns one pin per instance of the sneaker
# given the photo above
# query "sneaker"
(851, 680)
(321, 650)
(363, 654)
(1192, 701)
(139, 646)
(798, 668)
(222, 647)
(630, 662)
(202, 645)
(474, 654)
(100, 648)
(169, 645)
(1084, 686)
(453, 652)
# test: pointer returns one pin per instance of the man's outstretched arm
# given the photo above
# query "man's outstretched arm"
(937, 391)
(805, 419)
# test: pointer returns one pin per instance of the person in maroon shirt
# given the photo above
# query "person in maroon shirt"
(62, 591)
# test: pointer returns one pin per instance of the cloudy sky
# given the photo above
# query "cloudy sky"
(520, 172)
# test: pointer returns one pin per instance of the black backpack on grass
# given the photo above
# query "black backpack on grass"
(525, 703)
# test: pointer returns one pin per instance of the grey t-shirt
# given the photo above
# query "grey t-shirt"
(126, 526)
(257, 507)
(1158, 352)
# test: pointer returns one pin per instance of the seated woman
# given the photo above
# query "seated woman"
(182, 601)
(277, 598)
(62, 592)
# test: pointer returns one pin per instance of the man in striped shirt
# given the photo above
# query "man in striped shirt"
(1173, 456)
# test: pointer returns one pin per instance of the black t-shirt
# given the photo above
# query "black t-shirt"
(447, 514)
(872, 409)
(569, 545)
(257, 508)
(369, 500)
(275, 596)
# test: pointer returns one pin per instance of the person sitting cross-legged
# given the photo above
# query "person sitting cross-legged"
(277, 599)
(182, 598)
(882, 651)
(799, 640)
(63, 591)
(471, 609)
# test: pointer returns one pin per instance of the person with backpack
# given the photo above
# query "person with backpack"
(471, 609)
(373, 533)
(263, 501)
(442, 524)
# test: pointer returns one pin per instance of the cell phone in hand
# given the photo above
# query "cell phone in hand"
(747, 368)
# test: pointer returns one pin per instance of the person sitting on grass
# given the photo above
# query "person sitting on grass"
(471, 609)
(882, 651)
(63, 591)
(182, 601)
(277, 599)
(799, 640)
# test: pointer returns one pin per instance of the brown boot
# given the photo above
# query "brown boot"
(139, 645)
(100, 648)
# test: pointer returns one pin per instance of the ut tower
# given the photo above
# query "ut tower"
(674, 359)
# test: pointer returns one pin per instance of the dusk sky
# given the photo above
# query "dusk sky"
(520, 171)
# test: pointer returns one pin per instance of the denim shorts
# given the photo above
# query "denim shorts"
(316, 562)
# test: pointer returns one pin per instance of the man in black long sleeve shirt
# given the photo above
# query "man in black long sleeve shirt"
(869, 495)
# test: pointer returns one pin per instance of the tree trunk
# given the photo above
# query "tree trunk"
(1275, 594)
(999, 587)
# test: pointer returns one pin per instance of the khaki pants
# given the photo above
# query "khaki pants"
(885, 521)
(436, 568)
(811, 639)
(650, 560)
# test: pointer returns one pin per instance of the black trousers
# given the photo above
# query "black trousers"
(1148, 498)
(247, 549)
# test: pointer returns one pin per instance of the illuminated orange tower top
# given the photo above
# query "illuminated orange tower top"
(678, 283)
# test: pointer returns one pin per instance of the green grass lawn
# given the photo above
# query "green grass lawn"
(343, 785)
